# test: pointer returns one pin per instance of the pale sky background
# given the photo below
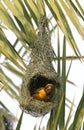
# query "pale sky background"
(72, 92)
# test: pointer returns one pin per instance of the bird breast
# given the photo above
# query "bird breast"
(40, 95)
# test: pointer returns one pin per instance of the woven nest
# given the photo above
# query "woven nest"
(39, 73)
(6, 120)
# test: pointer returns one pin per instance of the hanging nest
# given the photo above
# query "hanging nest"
(39, 73)
(6, 120)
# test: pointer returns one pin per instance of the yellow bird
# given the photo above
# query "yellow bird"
(43, 92)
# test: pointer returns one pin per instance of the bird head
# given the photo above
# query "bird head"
(49, 88)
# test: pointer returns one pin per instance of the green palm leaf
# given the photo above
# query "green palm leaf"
(78, 118)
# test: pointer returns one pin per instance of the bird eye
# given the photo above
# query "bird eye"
(49, 87)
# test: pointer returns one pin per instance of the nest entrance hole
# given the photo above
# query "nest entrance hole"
(39, 81)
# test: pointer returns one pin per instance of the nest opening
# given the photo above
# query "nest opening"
(38, 81)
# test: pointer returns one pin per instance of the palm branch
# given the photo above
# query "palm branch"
(21, 19)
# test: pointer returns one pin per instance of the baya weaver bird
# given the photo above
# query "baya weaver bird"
(43, 92)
